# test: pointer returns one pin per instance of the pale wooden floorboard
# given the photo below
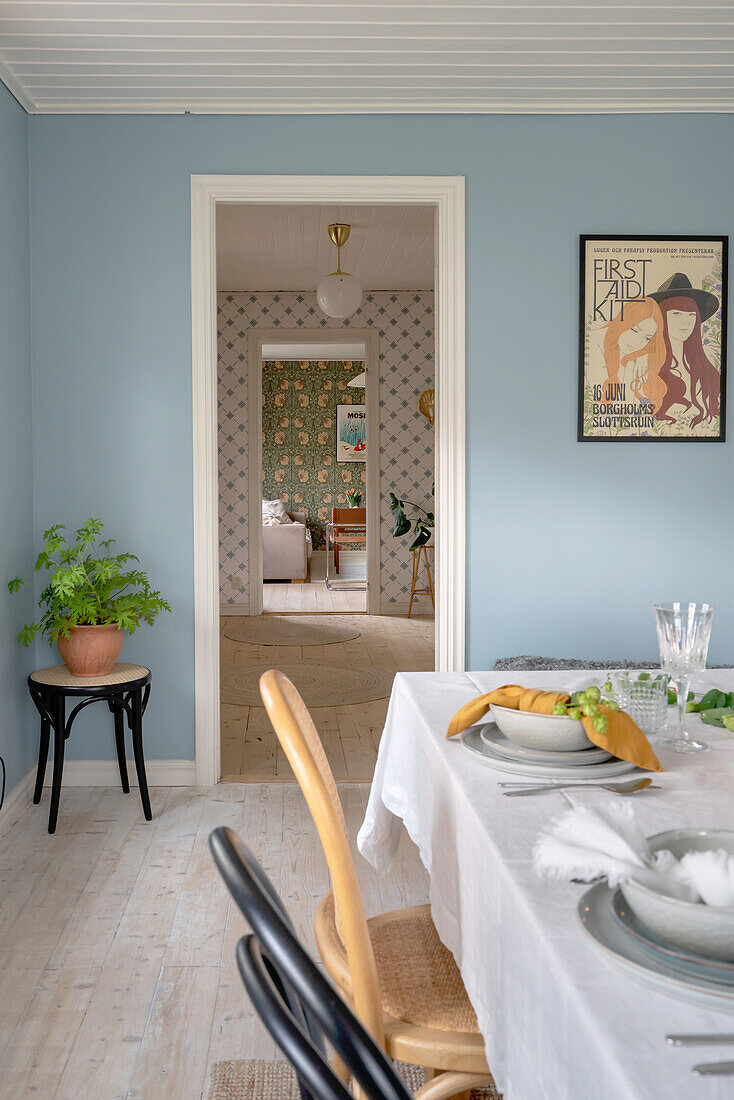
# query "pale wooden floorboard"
(134, 992)
(313, 596)
(351, 735)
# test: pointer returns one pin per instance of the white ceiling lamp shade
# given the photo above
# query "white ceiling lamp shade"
(339, 294)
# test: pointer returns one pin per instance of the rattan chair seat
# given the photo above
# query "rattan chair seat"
(420, 981)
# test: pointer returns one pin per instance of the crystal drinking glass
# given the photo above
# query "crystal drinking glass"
(643, 696)
(683, 636)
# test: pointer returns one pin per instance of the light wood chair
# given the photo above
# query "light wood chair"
(393, 969)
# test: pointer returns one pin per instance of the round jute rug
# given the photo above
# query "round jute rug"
(319, 685)
(287, 630)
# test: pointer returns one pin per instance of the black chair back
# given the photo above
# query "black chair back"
(297, 1003)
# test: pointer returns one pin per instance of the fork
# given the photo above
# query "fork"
(631, 787)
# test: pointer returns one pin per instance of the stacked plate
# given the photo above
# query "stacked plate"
(647, 952)
(494, 749)
(631, 948)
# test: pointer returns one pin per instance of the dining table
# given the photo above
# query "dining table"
(559, 1021)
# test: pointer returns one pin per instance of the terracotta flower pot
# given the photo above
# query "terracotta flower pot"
(91, 650)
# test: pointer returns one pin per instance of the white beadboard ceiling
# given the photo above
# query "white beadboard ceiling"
(288, 247)
(343, 56)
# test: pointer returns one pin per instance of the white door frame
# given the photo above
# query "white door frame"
(446, 194)
(371, 340)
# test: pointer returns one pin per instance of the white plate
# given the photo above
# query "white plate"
(697, 966)
(488, 756)
(497, 741)
(625, 955)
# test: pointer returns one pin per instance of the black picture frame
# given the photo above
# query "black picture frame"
(660, 431)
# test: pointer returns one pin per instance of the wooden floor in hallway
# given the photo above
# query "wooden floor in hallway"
(350, 733)
(118, 978)
(313, 595)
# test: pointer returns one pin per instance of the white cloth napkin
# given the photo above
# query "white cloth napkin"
(711, 874)
(587, 844)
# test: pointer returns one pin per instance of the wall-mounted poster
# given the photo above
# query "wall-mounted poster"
(652, 348)
(351, 433)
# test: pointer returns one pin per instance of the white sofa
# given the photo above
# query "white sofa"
(287, 550)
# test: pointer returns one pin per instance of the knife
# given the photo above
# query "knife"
(714, 1069)
(699, 1040)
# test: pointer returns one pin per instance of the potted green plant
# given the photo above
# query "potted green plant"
(422, 524)
(92, 597)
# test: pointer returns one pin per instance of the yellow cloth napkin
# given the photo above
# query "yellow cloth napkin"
(623, 738)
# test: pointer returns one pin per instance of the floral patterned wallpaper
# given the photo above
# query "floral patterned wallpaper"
(299, 437)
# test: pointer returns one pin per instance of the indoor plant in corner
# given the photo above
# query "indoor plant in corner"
(92, 597)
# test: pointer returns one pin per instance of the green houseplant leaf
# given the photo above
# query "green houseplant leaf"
(422, 525)
(88, 586)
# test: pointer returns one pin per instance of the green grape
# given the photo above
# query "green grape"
(612, 704)
(608, 685)
(593, 695)
(601, 724)
(575, 713)
(560, 708)
(591, 710)
(728, 721)
(582, 698)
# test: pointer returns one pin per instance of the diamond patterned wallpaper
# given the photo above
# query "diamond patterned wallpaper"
(405, 322)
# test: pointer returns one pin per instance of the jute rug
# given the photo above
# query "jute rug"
(254, 1080)
(319, 685)
(287, 630)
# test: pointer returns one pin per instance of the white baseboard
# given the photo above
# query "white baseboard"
(105, 773)
(16, 801)
(235, 608)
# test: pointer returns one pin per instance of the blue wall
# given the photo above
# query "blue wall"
(18, 739)
(569, 543)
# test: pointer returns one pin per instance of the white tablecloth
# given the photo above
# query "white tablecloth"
(559, 1023)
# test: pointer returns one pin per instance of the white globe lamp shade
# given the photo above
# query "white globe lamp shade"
(339, 294)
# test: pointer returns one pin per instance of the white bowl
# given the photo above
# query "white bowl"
(556, 732)
(706, 930)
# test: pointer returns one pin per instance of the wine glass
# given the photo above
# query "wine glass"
(683, 636)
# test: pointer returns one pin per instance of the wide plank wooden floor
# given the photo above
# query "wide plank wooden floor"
(313, 596)
(117, 938)
(351, 734)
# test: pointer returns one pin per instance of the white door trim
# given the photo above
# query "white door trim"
(446, 193)
(371, 340)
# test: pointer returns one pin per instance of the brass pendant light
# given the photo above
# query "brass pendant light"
(339, 294)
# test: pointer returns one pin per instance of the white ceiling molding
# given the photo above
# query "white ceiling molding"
(342, 57)
(279, 247)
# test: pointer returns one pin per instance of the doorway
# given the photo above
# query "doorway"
(446, 195)
(295, 464)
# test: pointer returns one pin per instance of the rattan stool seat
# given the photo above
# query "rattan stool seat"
(59, 676)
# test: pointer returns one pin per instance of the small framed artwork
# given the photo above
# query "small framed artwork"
(652, 339)
(351, 433)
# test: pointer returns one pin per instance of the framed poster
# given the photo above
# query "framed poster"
(351, 433)
(652, 338)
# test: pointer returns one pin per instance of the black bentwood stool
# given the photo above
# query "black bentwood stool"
(126, 691)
